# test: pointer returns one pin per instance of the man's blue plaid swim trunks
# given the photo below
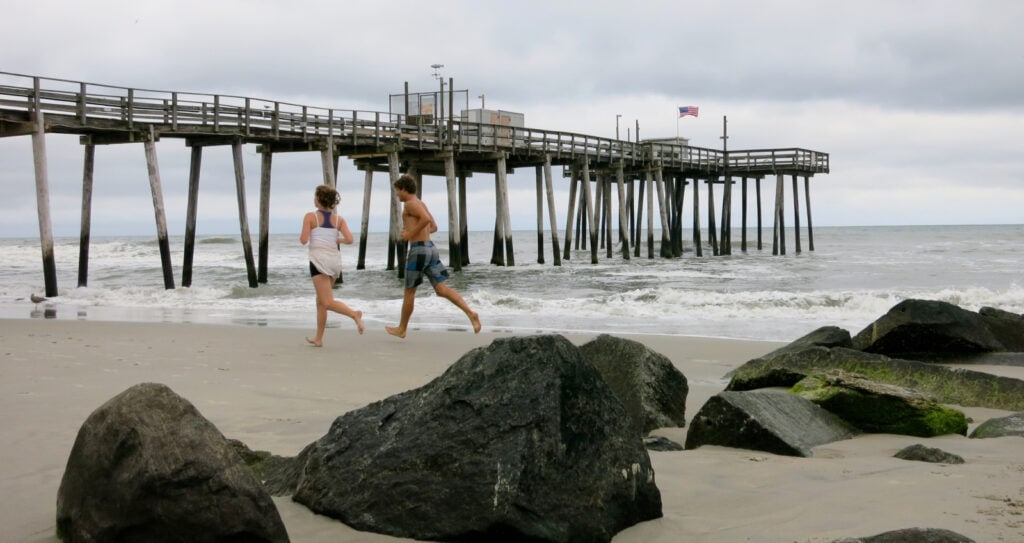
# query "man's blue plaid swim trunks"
(424, 261)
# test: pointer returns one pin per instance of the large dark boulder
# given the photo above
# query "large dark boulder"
(652, 390)
(911, 535)
(765, 420)
(1007, 327)
(949, 386)
(926, 329)
(517, 441)
(1010, 425)
(878, 407)
(146, 466)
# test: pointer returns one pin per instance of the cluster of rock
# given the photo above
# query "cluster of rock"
(895, 376)
(523, 440)
(535, 439)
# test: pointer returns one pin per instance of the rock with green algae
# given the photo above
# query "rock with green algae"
(879, 407)
(948, 385)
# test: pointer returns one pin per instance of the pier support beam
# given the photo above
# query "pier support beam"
(796, 214)
(549, 187)
(712, 235)
(88, 165)
(327, 163)
(454, 231)
(650, 214)
(539, 175)
(158, 208)
(666, 243)
(395, 225)
(757, 187)
(743, 216)
(779, 231)
(190, 215)
(570, 212)
(243, 215)
(590, 210)
(43, 204)
(807, 201)
(463, 219)
(265, 165)
(506, 218)
(623, 216)
(364, 223)
(697, 246)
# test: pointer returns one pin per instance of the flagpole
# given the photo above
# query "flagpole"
(677, 123)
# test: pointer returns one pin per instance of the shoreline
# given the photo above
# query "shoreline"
(267, 388)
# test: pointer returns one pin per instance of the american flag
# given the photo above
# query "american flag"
(688, 110)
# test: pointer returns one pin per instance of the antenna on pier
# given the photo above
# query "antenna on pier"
(437, 70)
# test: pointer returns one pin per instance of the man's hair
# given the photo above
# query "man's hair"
(406, 183)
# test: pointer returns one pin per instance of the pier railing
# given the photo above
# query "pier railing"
(91, 108)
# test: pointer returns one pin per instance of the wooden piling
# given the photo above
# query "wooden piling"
(681, 187)
(758, 189)
(796, 214)
(243, 215)
(779, 232)
(743, 213)
(498, 239)
(807, 201)
(463, 219)
(190, 214)
(697, 248)
(552, 218)
(327, 162)
(650, 214)
(639, 218)
(623, 218)
(725, 240)
(364, 223)
(454, 232)
(88, 165)
(395, 224)
(43, 202)
(591, 212)
(666, 244)
(158, 208)
(712, 234)
(266, 162)
(569, 213)
(506, 217)
(539, 176)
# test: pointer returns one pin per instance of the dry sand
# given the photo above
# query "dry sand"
(269, 389)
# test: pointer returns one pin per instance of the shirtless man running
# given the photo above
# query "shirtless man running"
(423, 260)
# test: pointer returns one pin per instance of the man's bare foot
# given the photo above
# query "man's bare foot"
(395, 331)
(314, 342)
(475, 319)
(359, 321)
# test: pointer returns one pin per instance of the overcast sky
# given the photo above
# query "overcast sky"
(919, 103)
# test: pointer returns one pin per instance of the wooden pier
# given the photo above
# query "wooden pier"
(599, 170)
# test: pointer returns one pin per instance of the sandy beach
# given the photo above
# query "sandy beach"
(268, 388)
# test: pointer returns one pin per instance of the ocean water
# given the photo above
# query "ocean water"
(854, 275)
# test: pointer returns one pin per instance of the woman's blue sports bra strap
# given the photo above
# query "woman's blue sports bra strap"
(326, 222)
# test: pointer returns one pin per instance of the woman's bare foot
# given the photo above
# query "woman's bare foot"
(314, 342)
(475, 319)
(359, 321)
(395, 331)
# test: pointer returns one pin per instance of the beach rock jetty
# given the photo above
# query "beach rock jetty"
(147, 466)
(650, 387)
(521, 440)
(765, 420)
(927, 329)
(878, 407)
